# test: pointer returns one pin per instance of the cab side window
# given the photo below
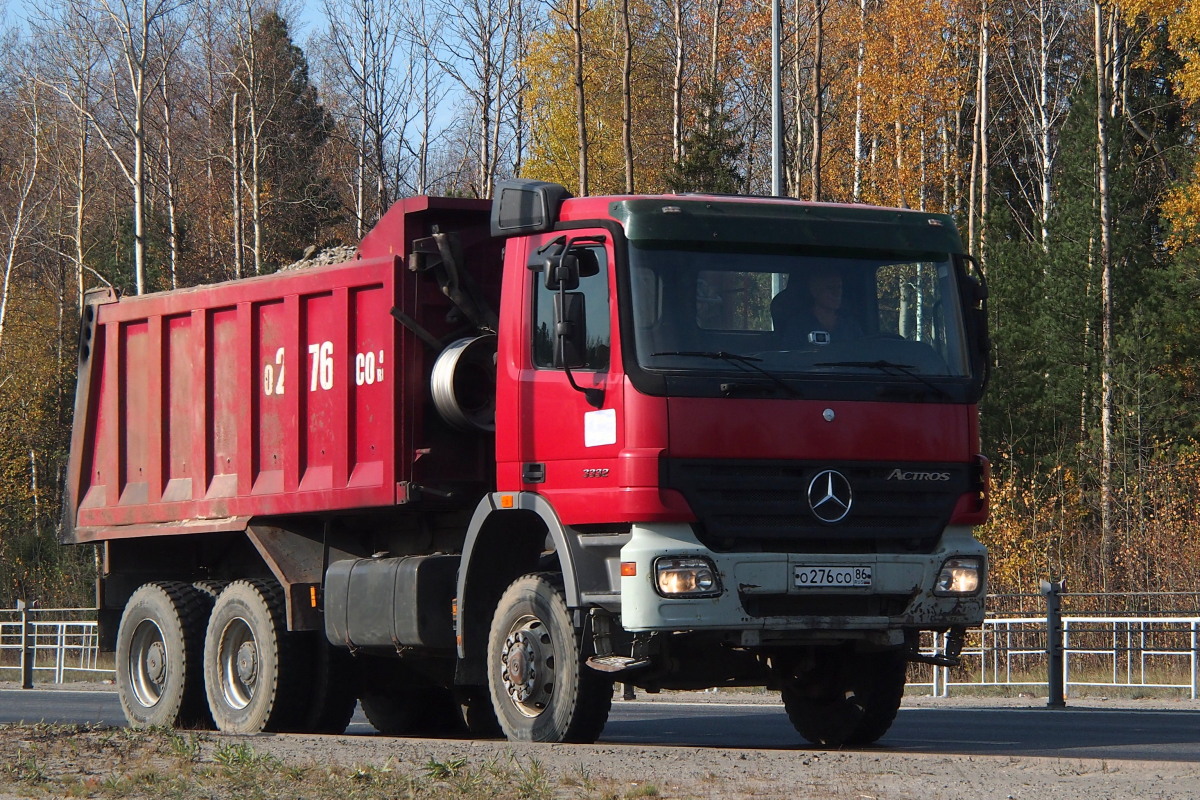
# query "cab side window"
(594, 289)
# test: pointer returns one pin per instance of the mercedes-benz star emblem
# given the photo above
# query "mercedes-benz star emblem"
(829, 496)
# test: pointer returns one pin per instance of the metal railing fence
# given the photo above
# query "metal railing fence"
(1117, 652)
(1026, 647)
(61, 642)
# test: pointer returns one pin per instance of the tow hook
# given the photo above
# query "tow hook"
(950, 657)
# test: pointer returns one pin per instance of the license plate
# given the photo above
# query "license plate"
(825, 577)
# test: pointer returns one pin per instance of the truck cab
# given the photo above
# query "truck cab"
(741, 491)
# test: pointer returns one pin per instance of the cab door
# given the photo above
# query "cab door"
(570, 438)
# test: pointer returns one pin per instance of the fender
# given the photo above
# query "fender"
(501, 503)
(506, 537)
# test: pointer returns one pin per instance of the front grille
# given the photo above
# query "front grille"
(753, 505)
(824, 605)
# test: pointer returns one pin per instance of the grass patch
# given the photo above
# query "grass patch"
(69, 761)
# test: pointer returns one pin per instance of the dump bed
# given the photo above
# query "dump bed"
(293, 393)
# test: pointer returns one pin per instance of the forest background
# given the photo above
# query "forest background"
(164, 143)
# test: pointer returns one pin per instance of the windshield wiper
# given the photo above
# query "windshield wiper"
(733, 358)
(892, 367)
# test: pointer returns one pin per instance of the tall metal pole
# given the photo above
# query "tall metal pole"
(776, 105)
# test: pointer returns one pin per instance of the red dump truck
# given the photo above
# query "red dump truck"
(515, 451)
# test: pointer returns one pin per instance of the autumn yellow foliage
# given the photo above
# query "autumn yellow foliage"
(1181, 19)
(1044, 525)
(553, 153)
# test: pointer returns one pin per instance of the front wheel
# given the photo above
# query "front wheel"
(862, 707)
(541, 689)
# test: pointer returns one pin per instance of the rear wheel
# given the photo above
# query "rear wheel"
(332, 690)
(478, 714)
(859, 709)
(541, 689)
(250, 664)
(398, 701)
(160, 642)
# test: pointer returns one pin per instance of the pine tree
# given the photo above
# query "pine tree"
(711, 153)
(298, 202)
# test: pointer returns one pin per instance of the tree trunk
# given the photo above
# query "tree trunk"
(818, 116)
(80, 202)
(360, 188)
(859, 67)
(28, 173)
(984, 125)
(235, 156)
(1107, 536)
(677, 85)
(627, 94)
(580, 98)
(169, 169)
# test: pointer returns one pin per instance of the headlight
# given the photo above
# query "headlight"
(959, 576)
(686, 577)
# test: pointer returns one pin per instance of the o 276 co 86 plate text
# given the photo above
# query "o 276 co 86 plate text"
(808, 576)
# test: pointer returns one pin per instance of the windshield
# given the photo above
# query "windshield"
(788, 313)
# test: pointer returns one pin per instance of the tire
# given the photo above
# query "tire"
(212, 588)
(252, 672)
(541, 689)
(160, 645)
(332, 690)
(430, 711)
(859, 714)
(884, 692)
(478, 713)
(398, 701)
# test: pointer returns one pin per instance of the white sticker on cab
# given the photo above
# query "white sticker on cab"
(600, 427)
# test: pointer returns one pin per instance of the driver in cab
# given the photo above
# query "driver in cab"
(809, 310)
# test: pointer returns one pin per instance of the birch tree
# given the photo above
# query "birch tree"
(475, 47)
(61, 29)
(367, 37)
(19, 175)
(1042, 69)
(1103, 62)
(127, 31)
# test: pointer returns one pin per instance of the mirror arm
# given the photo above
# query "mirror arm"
(594, 395)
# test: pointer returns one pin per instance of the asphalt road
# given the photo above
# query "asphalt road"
(1092, 733)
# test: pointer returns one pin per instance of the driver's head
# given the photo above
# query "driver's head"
(825, 287)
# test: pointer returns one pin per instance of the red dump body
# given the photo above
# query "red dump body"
(336, 391)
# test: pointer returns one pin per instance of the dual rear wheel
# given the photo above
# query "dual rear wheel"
(204, 655)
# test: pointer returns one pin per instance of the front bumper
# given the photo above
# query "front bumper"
(759, 591)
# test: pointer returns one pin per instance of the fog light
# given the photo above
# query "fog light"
(686, 577)
(959, 576)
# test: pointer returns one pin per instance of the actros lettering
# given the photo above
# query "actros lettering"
(901, 475)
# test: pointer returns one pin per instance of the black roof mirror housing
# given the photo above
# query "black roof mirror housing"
(522, 206)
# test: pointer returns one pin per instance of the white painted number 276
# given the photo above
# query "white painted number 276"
(322, 365)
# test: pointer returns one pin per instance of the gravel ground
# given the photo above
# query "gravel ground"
(626, 771)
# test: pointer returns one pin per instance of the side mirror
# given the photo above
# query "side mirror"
(561, 272)
(570, 330)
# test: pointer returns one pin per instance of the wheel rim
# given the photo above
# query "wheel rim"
(527, 666)
(238, 663)
(148, 667)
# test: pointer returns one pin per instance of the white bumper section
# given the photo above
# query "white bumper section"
(644, 609)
